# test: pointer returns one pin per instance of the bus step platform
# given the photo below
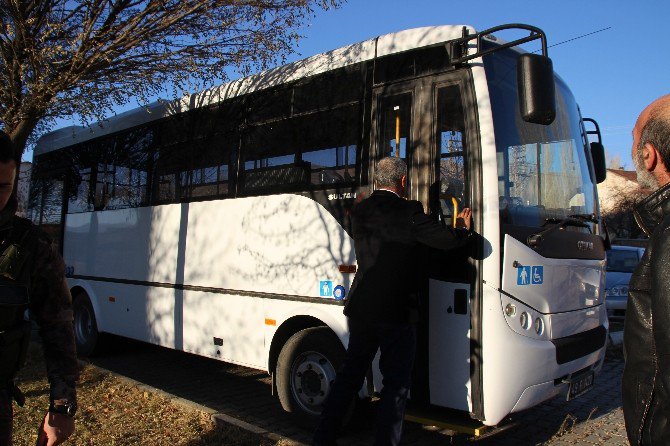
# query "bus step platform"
(453, 420)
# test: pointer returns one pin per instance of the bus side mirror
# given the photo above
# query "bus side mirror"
(537, 98)
(598, 157)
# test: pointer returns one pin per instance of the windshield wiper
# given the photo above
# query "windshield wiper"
(573, 220)
(586, 217)
(591, 218)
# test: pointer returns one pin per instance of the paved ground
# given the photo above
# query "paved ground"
(592, 419)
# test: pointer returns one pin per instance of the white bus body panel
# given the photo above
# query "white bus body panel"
(520, 365)
(271, 245)
(448, 347)
(520, 370)
(565, 284)
(245, 334)
(237, 321)
(490, 202)
(283, 310)
(281, 244)
(138, 312)
(517, 371)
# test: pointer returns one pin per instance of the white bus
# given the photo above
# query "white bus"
(218, 224)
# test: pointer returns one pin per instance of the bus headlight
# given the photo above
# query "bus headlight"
(532, 323)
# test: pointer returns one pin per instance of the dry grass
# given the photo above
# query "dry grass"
(113, 412)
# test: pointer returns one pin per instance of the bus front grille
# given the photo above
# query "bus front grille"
(578, 345)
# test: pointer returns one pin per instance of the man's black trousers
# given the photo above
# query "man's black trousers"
(397, 343)
(6, 400)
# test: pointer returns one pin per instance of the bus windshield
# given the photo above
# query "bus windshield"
(543, 172)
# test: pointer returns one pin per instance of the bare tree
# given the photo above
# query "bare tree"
(82, 57)
(618, 217)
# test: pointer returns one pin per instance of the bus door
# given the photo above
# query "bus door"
(447, 348)
(424, 122)
(396, 109)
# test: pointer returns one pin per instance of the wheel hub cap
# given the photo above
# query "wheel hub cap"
(311, 377)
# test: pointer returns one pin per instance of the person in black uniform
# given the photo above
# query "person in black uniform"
(32, 276)
(387, 232)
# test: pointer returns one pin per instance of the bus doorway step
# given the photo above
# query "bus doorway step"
(456, 421)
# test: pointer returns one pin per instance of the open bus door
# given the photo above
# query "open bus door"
(447, 379)
(423, 121)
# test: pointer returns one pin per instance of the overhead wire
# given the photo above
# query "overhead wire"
(580, 37)
(576, 38)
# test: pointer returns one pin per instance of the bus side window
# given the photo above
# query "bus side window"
(80, 190)
(316, 146)
(330, 126)
(214, 142)
(172, 160)
(103, 186)
(330, 144)
(451, 152)
(193, 154)
(269, 164)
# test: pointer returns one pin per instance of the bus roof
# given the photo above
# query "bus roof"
(358, 52)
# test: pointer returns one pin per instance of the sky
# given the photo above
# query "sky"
(613, 74)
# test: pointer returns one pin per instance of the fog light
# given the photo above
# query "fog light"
(524, 320)
(510, 310)
(539, 326)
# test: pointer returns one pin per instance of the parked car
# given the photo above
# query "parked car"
(621, 262)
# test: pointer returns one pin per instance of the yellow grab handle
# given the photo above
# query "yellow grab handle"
(397, 135)
(454, 201)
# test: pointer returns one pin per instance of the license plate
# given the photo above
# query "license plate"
(580, 385)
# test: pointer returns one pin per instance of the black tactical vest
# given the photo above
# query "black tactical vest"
(14, 300)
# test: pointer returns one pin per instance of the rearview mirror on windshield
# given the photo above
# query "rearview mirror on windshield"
(537, 98)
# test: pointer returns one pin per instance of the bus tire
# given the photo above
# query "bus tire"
(306, 368)
(86, 333)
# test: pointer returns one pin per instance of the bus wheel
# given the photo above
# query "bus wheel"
(306, 368)
(85, 328)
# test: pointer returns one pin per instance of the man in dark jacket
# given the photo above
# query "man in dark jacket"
(646, 377)
(30, 261)
(387, 231)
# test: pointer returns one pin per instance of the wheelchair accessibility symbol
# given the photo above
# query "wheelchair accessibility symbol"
(530, 275)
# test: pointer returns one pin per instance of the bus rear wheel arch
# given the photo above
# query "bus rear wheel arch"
(306, 368)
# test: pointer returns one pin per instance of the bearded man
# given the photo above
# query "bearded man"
(646, 377)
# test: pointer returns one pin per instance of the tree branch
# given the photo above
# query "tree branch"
(60, 57)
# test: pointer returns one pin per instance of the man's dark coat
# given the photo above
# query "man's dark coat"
(646, 376)
(387, 231)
